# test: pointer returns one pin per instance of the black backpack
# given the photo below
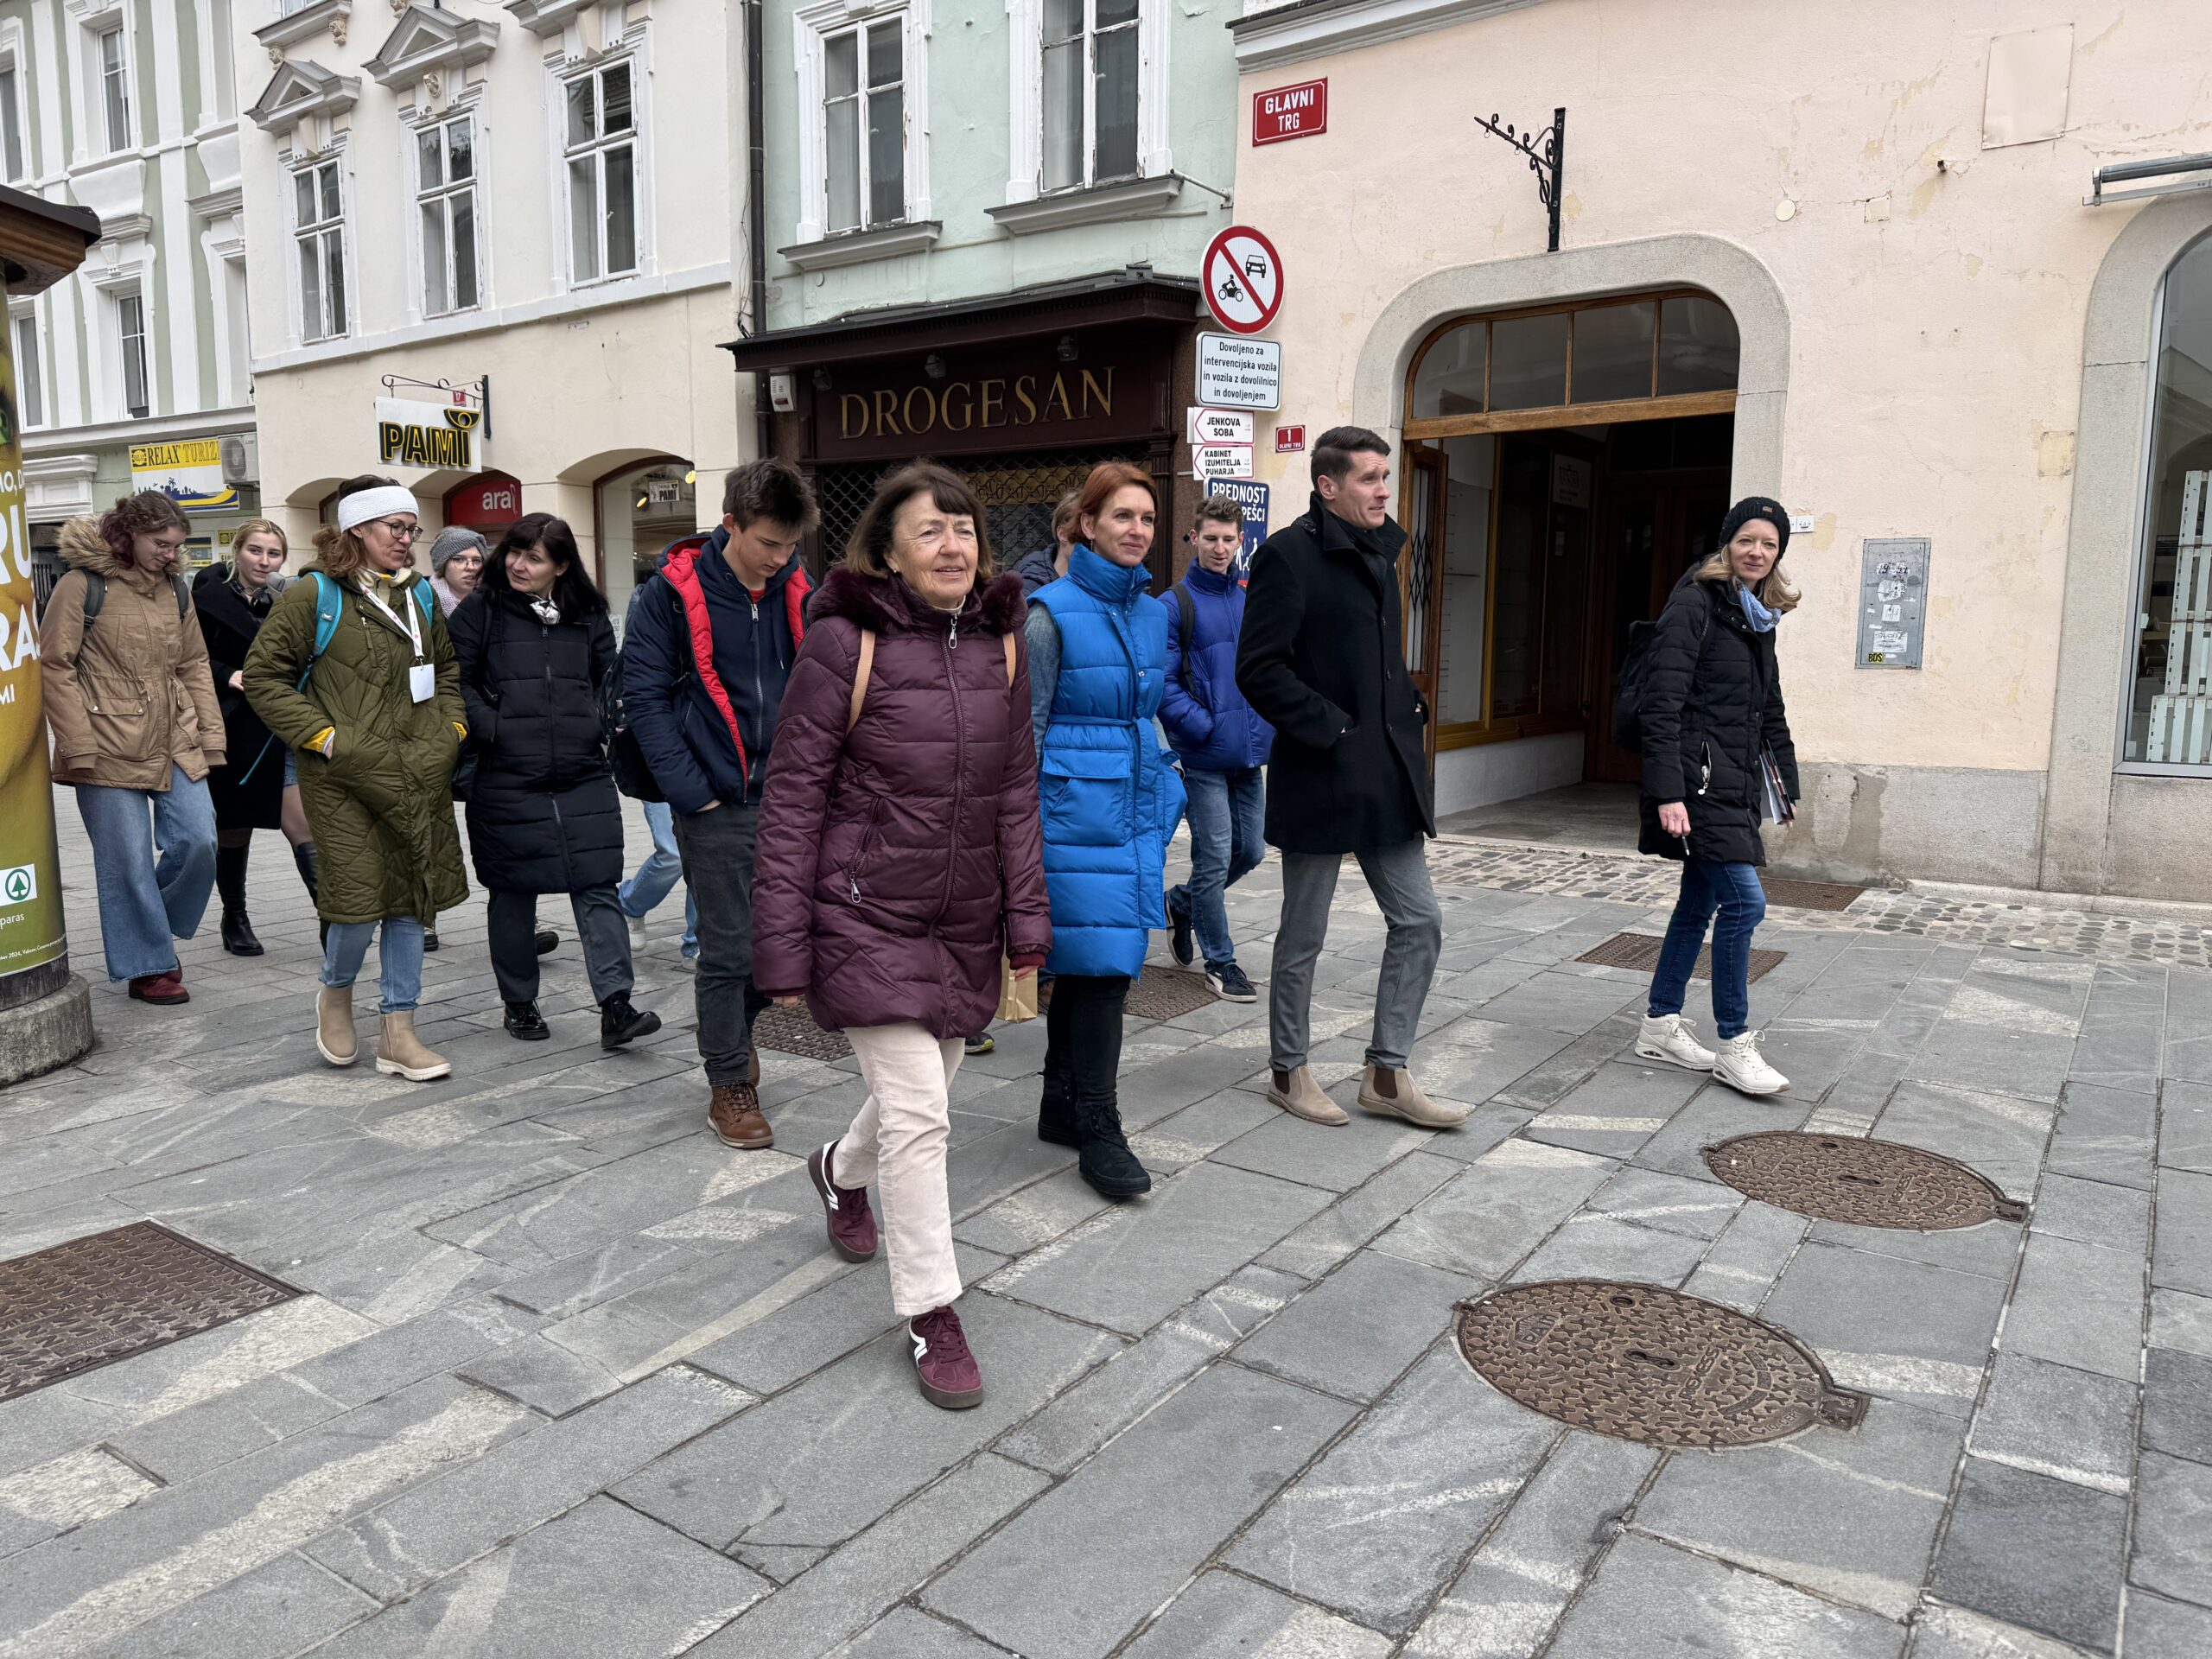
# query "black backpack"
(95, 596)
(1188, 614)
(1635, 682)
(626, 757)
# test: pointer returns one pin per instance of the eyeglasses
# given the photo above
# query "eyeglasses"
(169, 547)
(400, 529)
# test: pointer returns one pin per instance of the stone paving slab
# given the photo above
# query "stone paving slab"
(558, 1339)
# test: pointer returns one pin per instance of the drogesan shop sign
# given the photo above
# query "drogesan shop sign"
(411, 434)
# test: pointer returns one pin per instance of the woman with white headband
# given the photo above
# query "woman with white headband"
(354, 669)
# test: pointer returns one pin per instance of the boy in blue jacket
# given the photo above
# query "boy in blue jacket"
(1222, 742)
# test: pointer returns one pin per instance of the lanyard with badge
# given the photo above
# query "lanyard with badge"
(421, 677)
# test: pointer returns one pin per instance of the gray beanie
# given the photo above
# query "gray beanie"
(451, 540)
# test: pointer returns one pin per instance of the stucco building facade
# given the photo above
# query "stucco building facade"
(1839, 255)
(521, 211)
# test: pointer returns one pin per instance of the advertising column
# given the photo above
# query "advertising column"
(46, 1017)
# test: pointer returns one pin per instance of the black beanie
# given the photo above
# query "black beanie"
(1757, 506)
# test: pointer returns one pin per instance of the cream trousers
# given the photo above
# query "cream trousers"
(897, 1144)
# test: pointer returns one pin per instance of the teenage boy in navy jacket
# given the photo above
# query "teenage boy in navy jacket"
(709, 646)
(1221, 741)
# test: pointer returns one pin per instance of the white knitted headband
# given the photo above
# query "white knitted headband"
(379, 503)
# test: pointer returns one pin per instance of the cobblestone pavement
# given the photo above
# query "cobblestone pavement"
(571, 1378)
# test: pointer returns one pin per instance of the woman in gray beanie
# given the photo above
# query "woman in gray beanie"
(456, 560)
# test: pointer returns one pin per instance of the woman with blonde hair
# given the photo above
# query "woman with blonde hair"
(257, 786)
(354, 670)
(1718, 760)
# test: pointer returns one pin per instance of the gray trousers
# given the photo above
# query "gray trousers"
(1398, 877)
(510, 921)
(717, 849)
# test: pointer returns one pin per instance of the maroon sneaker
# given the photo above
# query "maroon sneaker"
(163, 989)
(947, 1371)
(852, 1223)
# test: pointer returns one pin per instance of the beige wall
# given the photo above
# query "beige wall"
(1935, 291)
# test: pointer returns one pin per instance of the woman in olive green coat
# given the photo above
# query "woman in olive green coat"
(375, 720)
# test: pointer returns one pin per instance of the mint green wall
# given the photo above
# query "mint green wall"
(967, 141)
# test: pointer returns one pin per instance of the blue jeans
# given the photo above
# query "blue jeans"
(1224, 810)
(1733, 891)
(399, 960)
(145, 906)
(662, 866)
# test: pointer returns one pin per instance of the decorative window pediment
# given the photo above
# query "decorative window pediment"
(429, 41)
(303, 20)
(301, 92)
(548, 16)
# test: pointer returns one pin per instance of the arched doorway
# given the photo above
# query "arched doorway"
(1564, 464)
(486, 503)
(638, 512)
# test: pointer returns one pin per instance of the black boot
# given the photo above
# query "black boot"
(430, 943)
(547, 941)
(619, 1022)
(1056, 1114)
(310, 872)
(1106, 1162)
(230, 882)
(524, 1021)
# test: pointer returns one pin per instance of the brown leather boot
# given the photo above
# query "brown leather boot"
(1391, 1092)
(733, 1113)
(1299, 1094)
(400, 1051)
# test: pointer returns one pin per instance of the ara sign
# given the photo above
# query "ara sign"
(1297, 111)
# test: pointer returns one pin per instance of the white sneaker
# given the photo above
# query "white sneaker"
(1674, 1040)
(1742, 1067)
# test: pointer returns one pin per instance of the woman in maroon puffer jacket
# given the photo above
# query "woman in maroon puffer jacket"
(900, 854)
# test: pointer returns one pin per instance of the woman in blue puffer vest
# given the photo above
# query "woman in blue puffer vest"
(1110, 798)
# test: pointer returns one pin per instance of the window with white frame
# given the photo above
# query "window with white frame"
(224, 51)
(11, 121)
(864, 124)
(599, 137)
(446, 211)
(1090, 92)
(30, 377)
(130, 354)
(114, 62)
(319, 231)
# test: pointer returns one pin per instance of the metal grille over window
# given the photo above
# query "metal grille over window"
(1018, 492)
(446, 163)
(602, 175)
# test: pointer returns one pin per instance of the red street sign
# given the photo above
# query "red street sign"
(1289, 440)
(1297, 111)
(1244, 277)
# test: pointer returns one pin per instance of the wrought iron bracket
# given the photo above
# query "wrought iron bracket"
(480, 390)
(1545, 151)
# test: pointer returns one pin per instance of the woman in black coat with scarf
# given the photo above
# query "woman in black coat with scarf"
(1718, 760)
(535, 647)
(256, 788)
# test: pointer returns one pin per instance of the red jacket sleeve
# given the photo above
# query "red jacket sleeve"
(794, 806)
(1021, 827)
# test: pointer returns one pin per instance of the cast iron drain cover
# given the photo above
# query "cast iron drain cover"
(1808, 895)
(1641, 952)
(105, 1297)
(793, 1031)
(1157, 994)
(1641, 1362)
(1866, 1183)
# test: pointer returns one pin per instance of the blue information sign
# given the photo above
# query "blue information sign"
(1252, 499)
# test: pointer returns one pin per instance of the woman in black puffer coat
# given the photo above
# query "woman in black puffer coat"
(1718, 759)
(535, 646)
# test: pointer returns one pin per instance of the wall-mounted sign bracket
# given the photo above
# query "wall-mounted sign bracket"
(1546, 152)
(481, 391)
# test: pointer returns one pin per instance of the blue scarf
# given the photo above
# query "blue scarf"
(1762, 619)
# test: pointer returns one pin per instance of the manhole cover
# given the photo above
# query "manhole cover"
(793, 1031)
(1866, 1183)
(1641, 952)
(1641, 1362)
(105, 1297)
(1157, 994)
(1808, 895)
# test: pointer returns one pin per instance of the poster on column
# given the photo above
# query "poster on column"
(32, 930)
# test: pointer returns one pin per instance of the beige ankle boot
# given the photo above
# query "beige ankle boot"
(1299, 1094)
(400, 1052)
(334, 1025)
(1389, 1092)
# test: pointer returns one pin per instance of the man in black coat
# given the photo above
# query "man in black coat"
(1321, 661)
